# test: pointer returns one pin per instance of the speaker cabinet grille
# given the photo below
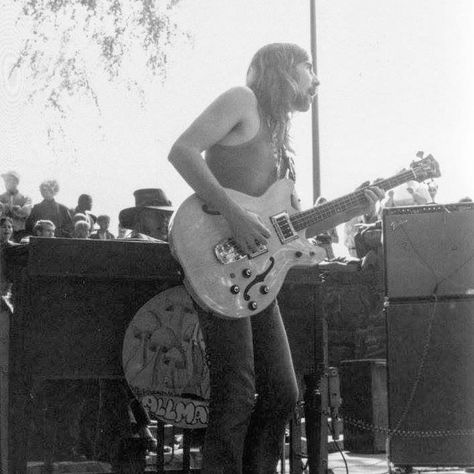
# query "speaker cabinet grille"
(429, 249)
(431, 382)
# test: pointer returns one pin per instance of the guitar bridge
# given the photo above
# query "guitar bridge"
(283, 227)
(227, 251)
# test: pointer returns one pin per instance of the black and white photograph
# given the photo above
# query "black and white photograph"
(236, 237)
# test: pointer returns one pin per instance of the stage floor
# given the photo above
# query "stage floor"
(356, 464)
(377, 464)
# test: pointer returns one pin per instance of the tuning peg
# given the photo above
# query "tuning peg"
(420, 154)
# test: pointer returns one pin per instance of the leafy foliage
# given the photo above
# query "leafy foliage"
(71, 41)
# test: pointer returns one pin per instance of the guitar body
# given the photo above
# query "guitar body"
(217, 275)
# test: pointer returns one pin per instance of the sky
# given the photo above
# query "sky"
(396, 77)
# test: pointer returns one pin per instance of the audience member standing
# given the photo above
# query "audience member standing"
(103, 232)
(15, 205)
(84, 206)
(49, 209)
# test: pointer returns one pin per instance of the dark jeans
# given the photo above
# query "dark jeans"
(253, 392)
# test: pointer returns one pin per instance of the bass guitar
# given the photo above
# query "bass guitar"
(226, 281)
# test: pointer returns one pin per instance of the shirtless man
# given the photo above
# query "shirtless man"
(244, 134)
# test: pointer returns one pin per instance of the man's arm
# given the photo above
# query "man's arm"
(23, 210)
(234, 108)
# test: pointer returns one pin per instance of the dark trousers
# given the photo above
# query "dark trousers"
(253, 392)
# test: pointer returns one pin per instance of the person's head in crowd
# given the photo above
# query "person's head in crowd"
(49, 189)
(44, 228)
(122, 232)
(153, 223)
(84, 203)
(465, 199)
(151, 214)
(11, 180)
(103, 221)
(82, 230)
(79, 217)
(6, 229)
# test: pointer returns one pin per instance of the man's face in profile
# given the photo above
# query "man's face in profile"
(48, 231)
(154, 222)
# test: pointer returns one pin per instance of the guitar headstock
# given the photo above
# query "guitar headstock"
(425, 168)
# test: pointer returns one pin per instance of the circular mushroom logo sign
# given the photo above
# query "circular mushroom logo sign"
(164, 360)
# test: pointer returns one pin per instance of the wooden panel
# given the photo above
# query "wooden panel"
(101, 259)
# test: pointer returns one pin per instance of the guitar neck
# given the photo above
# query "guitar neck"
(304, 219)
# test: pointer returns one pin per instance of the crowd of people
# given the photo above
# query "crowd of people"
(49, 218)
(147, 220)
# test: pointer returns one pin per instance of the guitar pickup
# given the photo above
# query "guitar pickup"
(227, 251)
(283, 227)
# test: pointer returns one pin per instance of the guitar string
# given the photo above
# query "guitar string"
(303, 219)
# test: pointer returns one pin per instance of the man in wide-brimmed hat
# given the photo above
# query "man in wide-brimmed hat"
(150, 217)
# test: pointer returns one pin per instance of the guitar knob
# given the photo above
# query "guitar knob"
(247, 273)
(234, 289)
(298, 254)
(253, 305)
(264, 290)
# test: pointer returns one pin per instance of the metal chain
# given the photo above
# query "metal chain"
(365, 425)
(406, 433)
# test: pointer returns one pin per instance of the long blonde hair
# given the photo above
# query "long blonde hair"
(271, 76)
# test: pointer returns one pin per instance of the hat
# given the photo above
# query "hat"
(149, 198)
(11, 173)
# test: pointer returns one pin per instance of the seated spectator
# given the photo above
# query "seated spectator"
(44, 228)
(81, 230)
(79, 216)
(15, 205)
(150, 217)
(51, 210)
(6, 230)
(122, 232)
(84, 207)
(103, 233)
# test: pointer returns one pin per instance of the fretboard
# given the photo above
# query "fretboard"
(304, 219)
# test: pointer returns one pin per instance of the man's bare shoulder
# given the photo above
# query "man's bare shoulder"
(240, 96)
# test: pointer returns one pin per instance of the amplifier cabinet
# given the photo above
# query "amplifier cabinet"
(74, 301)
(429, 250)
(431, 382)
